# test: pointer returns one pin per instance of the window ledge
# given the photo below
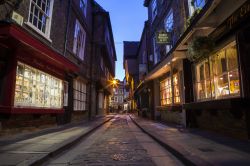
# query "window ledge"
(39, 32)
(232, 103)
(176, 107)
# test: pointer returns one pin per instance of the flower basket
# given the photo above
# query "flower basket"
(200, 48)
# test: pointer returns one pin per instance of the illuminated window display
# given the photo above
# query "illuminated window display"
(35, 88)
(218, 76)
(166, 90)
(80, 96)
(177, 98)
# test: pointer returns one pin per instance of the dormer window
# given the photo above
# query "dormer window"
(40, 15)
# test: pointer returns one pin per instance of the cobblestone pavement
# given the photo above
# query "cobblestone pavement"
(117, 146)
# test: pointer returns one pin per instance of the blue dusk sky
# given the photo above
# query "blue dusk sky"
(127, 19)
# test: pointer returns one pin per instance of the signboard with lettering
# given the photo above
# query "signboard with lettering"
(17, 18)
(163, 37)
(239, 16)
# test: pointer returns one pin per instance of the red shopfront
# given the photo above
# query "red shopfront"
(32, 75)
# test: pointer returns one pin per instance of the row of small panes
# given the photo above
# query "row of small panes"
(167, 82)
(45, 89)
(79, 96)
(26, 100)
(78, 105)
(37, 75)
(79, 86)
(169, 100)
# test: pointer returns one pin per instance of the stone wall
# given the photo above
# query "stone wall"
(226, 122)
(174, 117)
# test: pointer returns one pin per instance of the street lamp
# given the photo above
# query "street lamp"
(114, 82)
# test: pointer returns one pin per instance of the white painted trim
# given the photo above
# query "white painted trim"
(38, 31)
(48, 26)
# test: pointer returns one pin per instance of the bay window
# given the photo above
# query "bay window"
(218, 75)
(166, 92)
(177, 98)
(35, 88)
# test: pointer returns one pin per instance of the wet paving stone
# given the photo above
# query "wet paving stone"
(116, 147)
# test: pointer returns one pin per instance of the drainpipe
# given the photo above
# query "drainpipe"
(67, 28)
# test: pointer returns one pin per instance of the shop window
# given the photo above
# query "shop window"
(66, 93)
(35, 88)
(218, 76)
(79, 40)
(166, 92)
(80, 96)
(177, 98)
(40, 16)
(83, 6)
(203, 85)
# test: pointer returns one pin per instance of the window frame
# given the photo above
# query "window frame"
(154, 10)
(78, 96)
(45, 34)
(167, 21)
(214, 77)
(79, 30)
(42, 90)
(84, 7)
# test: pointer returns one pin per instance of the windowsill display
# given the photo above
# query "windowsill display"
(217, 77)
(35, 88)
(166, 91)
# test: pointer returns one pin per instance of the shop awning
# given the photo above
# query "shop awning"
(164, 65)
(14, 36)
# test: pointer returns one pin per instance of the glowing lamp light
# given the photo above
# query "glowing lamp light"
(114, 82)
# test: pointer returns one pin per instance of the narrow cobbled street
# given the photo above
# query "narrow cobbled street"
(119, 142)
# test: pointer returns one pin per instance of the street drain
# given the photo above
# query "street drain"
(206, 149)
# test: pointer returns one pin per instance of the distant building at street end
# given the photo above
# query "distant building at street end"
(117, 99)
(130, 65)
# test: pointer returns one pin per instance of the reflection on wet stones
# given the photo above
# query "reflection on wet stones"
(116, 146)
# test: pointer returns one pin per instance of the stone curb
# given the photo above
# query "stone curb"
(181, 154)
(68, 144)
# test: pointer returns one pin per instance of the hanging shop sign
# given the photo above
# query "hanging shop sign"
(17, 18)
(163, 37)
